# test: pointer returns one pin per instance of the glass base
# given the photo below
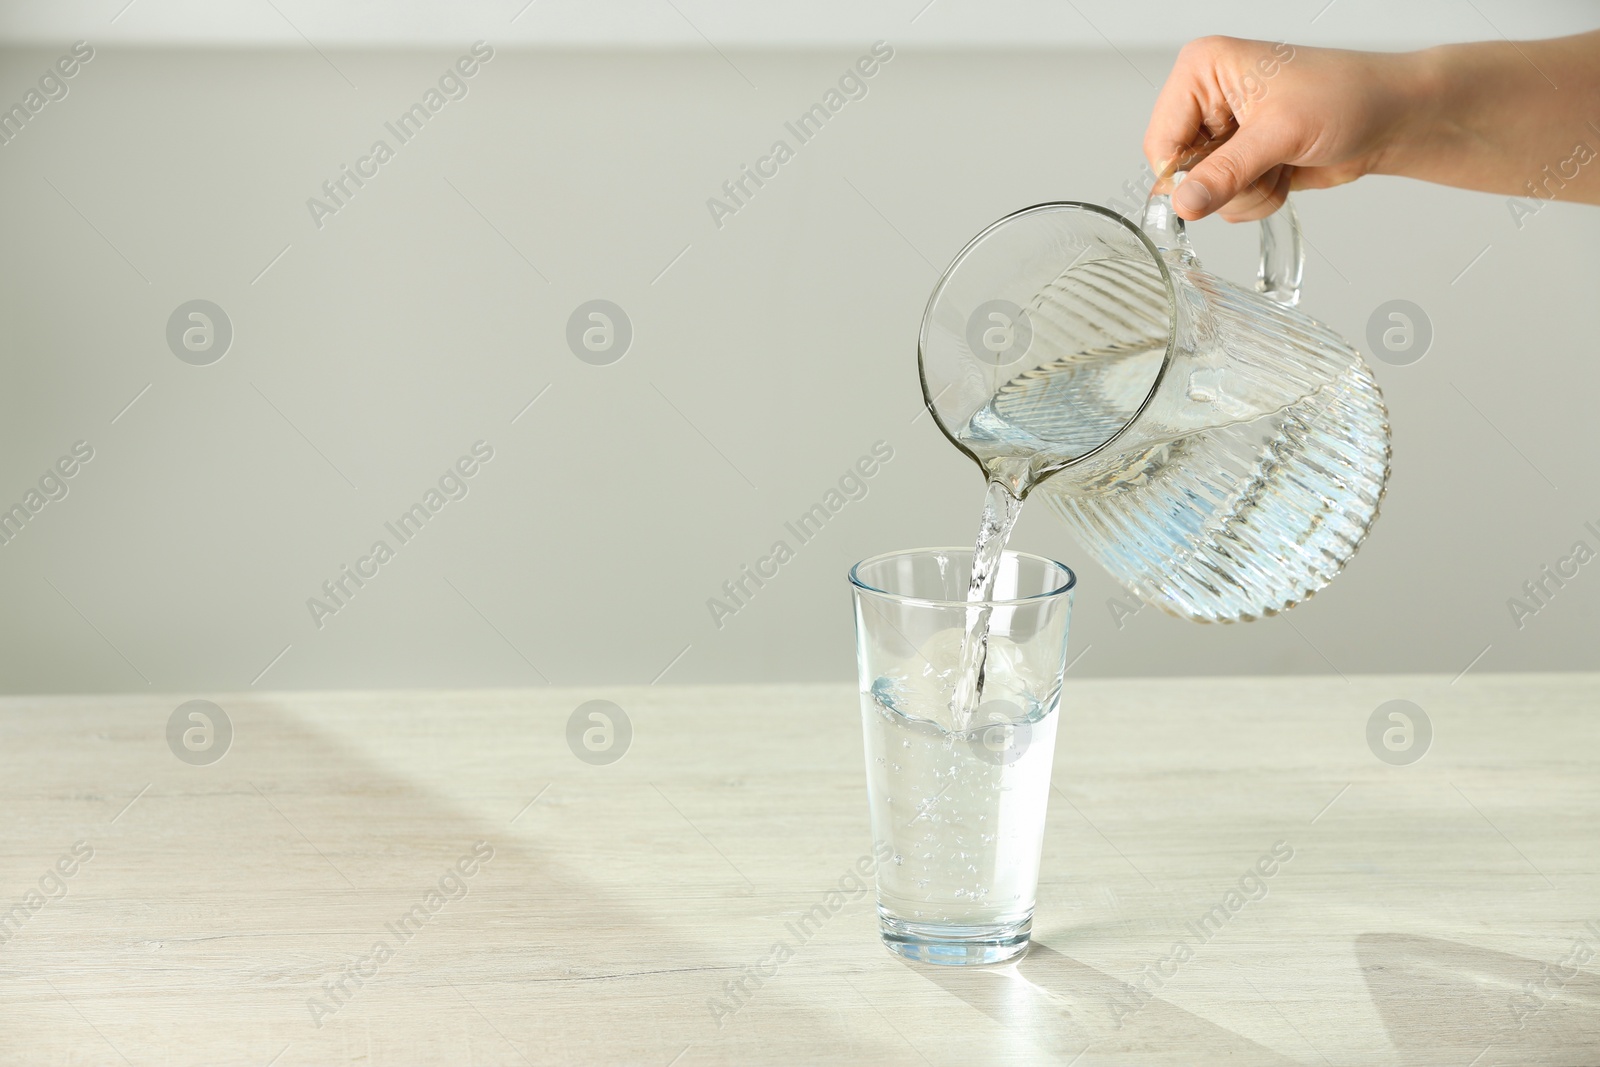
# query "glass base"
(952, 945)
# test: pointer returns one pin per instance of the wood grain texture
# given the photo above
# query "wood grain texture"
(1420, 903)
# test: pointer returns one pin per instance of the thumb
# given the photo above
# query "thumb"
(1232, 169)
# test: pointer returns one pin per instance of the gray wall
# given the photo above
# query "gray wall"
(773, 352)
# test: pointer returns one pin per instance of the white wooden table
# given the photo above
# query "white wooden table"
(1446, 912)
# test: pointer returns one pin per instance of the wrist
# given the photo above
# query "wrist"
(1421, 88)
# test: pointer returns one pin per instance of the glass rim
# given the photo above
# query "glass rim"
(856, 581)
(929, 398)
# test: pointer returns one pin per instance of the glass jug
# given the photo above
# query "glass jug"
(1219, 452)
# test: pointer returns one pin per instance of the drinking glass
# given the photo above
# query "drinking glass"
(961, 810)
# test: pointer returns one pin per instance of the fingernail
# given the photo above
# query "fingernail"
(1191, 197)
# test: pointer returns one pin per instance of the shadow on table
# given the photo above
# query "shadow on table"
(1447, 1002)
(296, 854)
(1067, 1007)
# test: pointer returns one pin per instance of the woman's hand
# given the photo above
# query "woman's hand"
(1250, 120)
(1265, 117)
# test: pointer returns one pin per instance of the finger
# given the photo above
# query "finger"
(1185, 122)
(1173, 132)
(1261, 197)
(1229, 171)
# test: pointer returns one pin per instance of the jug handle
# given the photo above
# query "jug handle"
(1283, 255)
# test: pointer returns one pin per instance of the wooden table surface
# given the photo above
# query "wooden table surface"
(1444, 912)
